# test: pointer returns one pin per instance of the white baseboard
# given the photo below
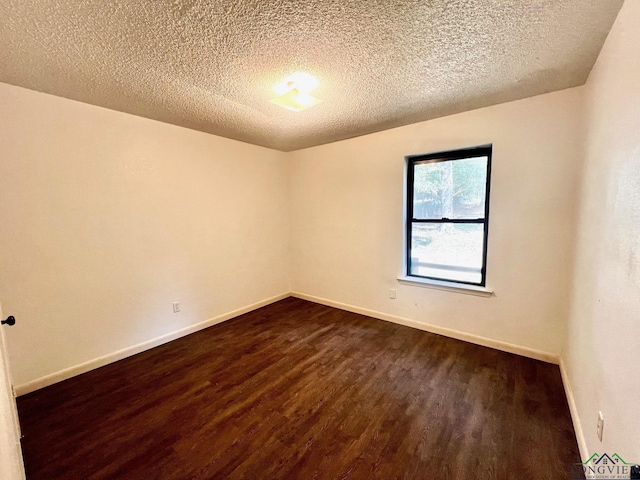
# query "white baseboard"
(447, 332)
(61, 375)
(135, 349)
(577, 425)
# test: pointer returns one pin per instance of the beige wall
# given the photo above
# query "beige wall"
(112, 217)
(108, 218)
(347, 220)
(602, 351)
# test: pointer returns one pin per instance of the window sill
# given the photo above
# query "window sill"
(446, 286)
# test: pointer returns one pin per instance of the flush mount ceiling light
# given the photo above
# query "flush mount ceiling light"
(293, 92)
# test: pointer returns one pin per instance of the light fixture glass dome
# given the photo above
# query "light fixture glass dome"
(293, 92)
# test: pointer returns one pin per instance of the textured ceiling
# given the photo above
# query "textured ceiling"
(211, 65)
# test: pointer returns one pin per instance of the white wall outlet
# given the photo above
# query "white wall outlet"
(392, 293)
(177, 307)
(600, 425)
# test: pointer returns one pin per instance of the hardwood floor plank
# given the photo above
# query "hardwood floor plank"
(297, 390)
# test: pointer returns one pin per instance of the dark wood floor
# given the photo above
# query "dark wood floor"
(298, 390)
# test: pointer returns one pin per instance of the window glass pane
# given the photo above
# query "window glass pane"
(447, 251)
(450, 189)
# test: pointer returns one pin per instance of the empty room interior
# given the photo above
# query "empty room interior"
(319, 240)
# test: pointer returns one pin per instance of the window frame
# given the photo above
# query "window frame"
(445, 156)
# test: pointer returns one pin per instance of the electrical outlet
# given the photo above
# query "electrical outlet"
(177, 307)
(600, 428)
(392, 294)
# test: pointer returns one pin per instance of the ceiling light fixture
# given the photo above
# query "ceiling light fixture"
(293, 92)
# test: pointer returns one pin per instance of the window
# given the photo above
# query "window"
(448, 215)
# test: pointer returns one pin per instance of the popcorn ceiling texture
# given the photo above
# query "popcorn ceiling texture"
(211, 65)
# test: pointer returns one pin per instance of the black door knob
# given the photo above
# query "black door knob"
(11, 320)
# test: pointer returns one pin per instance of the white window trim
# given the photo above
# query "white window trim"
(446, 286)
